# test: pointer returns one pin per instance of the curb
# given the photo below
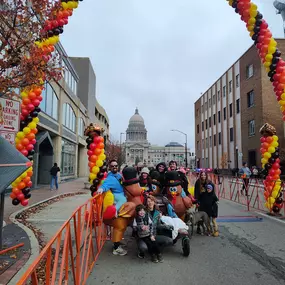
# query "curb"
(35, 248)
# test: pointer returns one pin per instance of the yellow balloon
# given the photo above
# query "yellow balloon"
(26, 130)
(18, 180)
(251, 21)
(274, 194)
(275, 138)
(32, 125)
(20, 135)
(108, 200)
(17, 140)
(92, 176)
(253, 13)
(24, 94)
(267, 64)
(95, 169)
(102, 157)
(14, 184)
(272, 49)
(264, 160)
(271, 149)
(36, 120)
(267, 206)
(275, 144)
(24, 175)
(267, 155)
(64, 5)
(99, 163)
(271, 201)
(281, 102)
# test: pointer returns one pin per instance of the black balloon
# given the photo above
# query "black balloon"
(30, 157)
(271, 160)
(255, 37)
(26, 190)
(29, 118)
(89, 140)
(277, 53)
(50, 33)
(273, 66)
(28, 196)
(100, 175)
(256, 30)
(103, 169)
(275, 154)
(38, 109)
(34, 114)
(275, 59)
(258, 22)
(234, 5)
(56, 31)
(268, 166)
(279, 200)
(15, 202)
(271, 73)
(259, 15)
(275, 209)
(92, 188)
(32, 152)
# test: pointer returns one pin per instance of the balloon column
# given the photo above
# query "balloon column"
(96, 157)
(31, 97)
(266, 45)
(271, 168)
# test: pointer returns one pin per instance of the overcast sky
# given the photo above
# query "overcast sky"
(159, 56)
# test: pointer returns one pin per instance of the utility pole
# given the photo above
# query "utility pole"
(186, 159)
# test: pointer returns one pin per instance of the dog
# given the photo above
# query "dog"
(199, 219)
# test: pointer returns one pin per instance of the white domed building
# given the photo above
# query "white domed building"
(136, 145)
(140, 152)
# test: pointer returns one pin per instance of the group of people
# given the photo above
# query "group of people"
(149, 226)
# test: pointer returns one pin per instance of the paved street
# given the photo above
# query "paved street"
(249, 251)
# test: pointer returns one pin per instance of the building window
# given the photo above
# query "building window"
(206, 106)
(225, 113)
(81, 127)
(237, 106)
(214, 99)
(215, 141)
(219, 116)
(210, 122)
(210, 140)
(198, 112)
(219, 96)
(231, 110)
(250, 99)
(220, 138)
(206, 124)
(230, 86)
(249, 71)
(198, 129)
(69, 119)
(210, 103)
(49, 104)
(202, 126)
(69, 79)
(214, 118)
(68, 158)
(203, 146)
(251, 128)
(231, 134)
(207, 145)
(198, 145)
(237, 81)
(224, 91)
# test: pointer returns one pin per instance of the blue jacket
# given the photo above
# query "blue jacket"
(113, 183)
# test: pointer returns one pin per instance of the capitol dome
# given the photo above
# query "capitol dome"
(136, 131)
(136, 119)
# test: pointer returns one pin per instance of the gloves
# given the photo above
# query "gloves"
(100, 191)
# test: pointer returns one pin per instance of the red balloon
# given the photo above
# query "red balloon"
(31, 107)
(272, 172)
(276, 165)
(25, 112)
(92, 146)
(33, 141)
(36, 102)
(61, 22)
(54, 23)
(262, 139)
(40, 98)
(30, 147)
(25, 202)
(24, 152)
(20, 196)
(89, 152)
(281, 86)
(30, 184)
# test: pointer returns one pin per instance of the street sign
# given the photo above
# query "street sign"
(9, 118)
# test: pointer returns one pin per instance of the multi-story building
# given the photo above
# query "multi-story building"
(67, 108)
(229, 114)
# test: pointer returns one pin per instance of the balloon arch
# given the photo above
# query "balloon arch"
(31, 98)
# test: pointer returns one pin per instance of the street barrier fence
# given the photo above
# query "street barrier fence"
(70, 255)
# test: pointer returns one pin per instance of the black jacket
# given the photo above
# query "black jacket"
(54, 170)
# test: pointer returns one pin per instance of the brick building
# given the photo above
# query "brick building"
(229, 114)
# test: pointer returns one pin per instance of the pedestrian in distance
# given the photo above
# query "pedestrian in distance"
(54, 178)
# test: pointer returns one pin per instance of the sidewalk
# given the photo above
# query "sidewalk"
(43, 194)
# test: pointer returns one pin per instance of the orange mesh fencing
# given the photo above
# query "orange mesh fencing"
(70, 255)
(235, 189)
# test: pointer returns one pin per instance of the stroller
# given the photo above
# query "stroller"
(166, 209)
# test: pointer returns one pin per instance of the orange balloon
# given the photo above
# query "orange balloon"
(30, 173)
(32, 96)
(21, 185)
(101, 146)
(16, 191)
(101, 139)
(19, 146)
(97, 151)
(38, 91)
(13, 196)
(93, 158)
(26, 180)
(91, 164)
(30, 136)
(25, 141)
(34, 131)
(26, 101)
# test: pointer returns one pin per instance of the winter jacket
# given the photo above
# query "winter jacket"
(113, 183)
(138, 224)
(208, 203)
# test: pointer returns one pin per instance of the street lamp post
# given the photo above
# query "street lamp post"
(186, 159)
(236, 157)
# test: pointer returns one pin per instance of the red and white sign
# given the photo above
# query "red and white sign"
(9, 119)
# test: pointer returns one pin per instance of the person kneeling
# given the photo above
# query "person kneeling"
(144, 227)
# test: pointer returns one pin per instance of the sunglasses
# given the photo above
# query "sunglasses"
(116, 165)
